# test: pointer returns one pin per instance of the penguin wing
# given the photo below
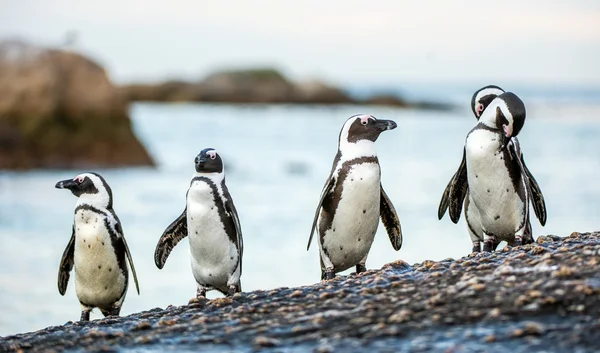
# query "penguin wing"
(445, 198)
(390, 220)
(130, 260)
(230, 207)
(458, 190)
(537, 198)
(66, 265)
(171, 236)
(326, 190)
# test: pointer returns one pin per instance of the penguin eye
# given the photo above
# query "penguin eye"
(364, 122)
(79, 179)
(479, 108)
(213, 155)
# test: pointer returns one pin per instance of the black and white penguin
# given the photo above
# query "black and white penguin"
(479, 102)
(494, 175)
(211, 221)
(97, 249)
(353, 199)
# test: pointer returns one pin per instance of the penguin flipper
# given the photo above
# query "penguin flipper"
(537, 198)
(445, 198)
(130, 260)
(66, 265)
(230, 207)
(326, 190)
(171, 236)
(390, 220)
(458, 190)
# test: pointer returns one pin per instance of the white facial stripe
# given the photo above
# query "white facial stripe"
(361, 148)
(489, 114)
(487, 92)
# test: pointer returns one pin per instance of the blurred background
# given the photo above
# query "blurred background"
(135, 89)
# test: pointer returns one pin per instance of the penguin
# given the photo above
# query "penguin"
(353, 200)
(493, 174)
(479, 102)
(97, 249)
(211, 222)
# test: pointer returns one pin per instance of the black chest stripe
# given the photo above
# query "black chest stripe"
(332, 200)
(220, 204)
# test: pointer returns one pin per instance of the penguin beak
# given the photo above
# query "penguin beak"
(383, 125)
(506, 135)
(199, 162)
(66, 184)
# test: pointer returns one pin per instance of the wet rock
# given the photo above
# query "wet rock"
(550, 302)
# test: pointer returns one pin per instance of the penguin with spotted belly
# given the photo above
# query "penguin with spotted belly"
(479, 102)
(353, 200)
(211, 222)
(97, 250)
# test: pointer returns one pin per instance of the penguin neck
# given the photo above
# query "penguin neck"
(97, 200)
(216, 178)
(360, 148)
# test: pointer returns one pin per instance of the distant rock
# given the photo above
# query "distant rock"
(263, 85)
(58, 109)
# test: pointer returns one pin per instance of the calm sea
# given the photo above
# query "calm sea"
(276, 161)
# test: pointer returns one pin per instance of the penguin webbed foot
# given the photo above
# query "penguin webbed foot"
(328, 274)
(518, 241)
(201, 293)
(232, 290)
(85, 315)
(488, 245)
(360, 268)
(476, 247)
(111, 312)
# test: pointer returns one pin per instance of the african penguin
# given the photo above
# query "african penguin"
(97, 249)
(480, 100)
(211, 221)
(353, 199)
(498, 189)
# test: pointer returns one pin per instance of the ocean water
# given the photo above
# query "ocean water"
(277, 158)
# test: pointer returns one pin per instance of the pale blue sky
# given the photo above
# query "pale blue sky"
(531, 42)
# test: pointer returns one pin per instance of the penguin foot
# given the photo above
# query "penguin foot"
(488, 245)
(360, 268)
(201, 293)
(232, 290)
(476, 246)
(329, 274)
(518, 241)
(111, 312)
(85, 315)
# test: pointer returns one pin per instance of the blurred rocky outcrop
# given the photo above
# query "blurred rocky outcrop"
(58, 109)
(262, 85)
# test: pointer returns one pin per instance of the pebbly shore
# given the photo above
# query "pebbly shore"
(539, 297)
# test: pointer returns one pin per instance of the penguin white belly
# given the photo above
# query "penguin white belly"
(356, 217)
(213, 256)
(98, 278)
(501, 210)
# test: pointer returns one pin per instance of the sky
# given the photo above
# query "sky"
(345, 41)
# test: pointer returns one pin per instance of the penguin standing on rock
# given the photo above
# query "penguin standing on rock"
(479, 102)
(213, 226)
(353, 200)
(493, 174)
(97, 250)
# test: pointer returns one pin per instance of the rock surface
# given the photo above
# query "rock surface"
(539, 297)
(58, 109)
(259, 86)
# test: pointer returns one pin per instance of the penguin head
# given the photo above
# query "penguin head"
(363, 128)
(506, 113)
(483, 97)
(89, 187)
(208, 161)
